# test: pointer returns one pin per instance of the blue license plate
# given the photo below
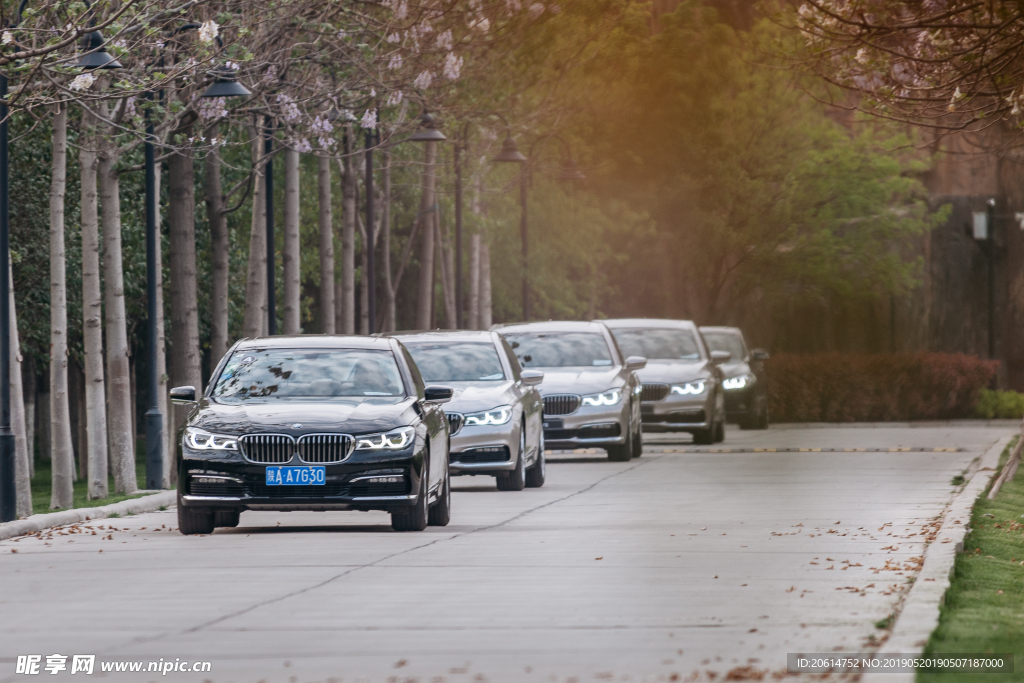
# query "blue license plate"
(296, 476)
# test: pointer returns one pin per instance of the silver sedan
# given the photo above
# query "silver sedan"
(495, 413)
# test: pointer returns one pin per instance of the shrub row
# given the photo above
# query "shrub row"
(1000, 404)
(839, 387)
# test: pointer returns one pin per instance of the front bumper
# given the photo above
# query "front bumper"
(599, 426)
(484, 449)
(676, 413)
(378, 482)
(740, 403)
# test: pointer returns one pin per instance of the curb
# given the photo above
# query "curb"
(919, 615)
(51, 519)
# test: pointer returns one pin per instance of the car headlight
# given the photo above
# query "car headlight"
(606, 398)
(201, 440)
(695, 388)
(395, 440)
(495, 416)
(738, 382)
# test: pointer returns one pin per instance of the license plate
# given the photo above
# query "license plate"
(296, 476)
(553, 423)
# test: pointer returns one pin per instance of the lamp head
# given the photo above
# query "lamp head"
(225, 84)
(570, 171)
(510, 153)
(428, 131)
(96, 55)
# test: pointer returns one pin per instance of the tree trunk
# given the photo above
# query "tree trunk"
(76, 405)
(220, 252)
(22, 480)
(119, 390)
(170, 472)
(255, 320)
(473, 307)
(385, 224)
(444, 254)
(28, 383)
(92, 334)
(364, 290)
(425, 295)
(485, 285)
(185, 358)
(59, 414)
(348, 237)
(326, 225)
(291, 251)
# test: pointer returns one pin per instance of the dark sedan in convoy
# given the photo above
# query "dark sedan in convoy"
(682, 388)
(746, 386)
(495, 415)
(591, 392)
(314, 423)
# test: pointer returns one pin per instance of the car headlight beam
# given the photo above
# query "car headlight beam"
(738, 382)
(494, 416)
(202, 440)
(395, 440)
(605, 398)
(695, 388)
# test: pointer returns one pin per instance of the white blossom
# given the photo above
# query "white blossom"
(342, 34)
(513, 6)
(8, 38)
(862, 55)
(452, 66)
(213, 108)
(424, 80)
(82, 81)
(129, 107)
(369, 119)
(270, 74)
(234, 66)
(394, 98)
(289, 110)
(395, 62)
(394, 37)
(208, 31)
(321, 125)
(444, 41)
(480, 24)
(535, 10)
(302, 146)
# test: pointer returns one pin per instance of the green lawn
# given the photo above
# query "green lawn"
(984, 610)
(41, 488)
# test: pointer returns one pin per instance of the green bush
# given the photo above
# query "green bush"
(1000, 404)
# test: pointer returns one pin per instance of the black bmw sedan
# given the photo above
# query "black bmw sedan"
(314, 423)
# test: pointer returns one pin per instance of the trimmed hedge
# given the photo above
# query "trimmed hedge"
(1000, 404)
(839, 387)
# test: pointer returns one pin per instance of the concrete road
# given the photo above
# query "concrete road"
(676, 563)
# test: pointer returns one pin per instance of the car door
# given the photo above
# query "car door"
(436, 423)
(529, 399)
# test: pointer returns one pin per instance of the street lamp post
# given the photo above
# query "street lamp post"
(8, 490)
(372, 140)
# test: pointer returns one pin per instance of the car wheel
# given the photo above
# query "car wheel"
(638, 443)
(441, 511)
(720, 431)
(414, 518)
(516, 479)
(192, 521)
(226, 518)
(762, 417)
(623, 453)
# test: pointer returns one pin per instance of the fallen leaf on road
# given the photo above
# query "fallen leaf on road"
(791, 589)
(599, 558)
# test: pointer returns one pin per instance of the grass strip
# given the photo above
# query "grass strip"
(42, 488)
(984, 608)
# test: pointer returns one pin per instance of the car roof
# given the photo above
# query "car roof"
(317, 341)
(728, 330)
(552, 326)
(444, 335)
(618, 323)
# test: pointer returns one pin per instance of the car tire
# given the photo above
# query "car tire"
(762, 416)
(193, 522)
(623, 453)
(704, 437)
(638, 443)
(226, 518)
(414, 518)
(720, 431)
(441, 511)
(537, 473)
(516, 479)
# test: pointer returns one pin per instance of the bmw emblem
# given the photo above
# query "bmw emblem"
(297, 425)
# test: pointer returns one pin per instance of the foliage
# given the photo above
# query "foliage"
(41, 488)
(1000, 405)
(981, 609)
(834, 387)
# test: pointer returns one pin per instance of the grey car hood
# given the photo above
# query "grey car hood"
(734, 369)
(581, 380)
(674, 371)
(473, 397)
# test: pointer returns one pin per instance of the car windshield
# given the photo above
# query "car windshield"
(559, 349)
(273, 374)
(727, 341)
(457, 361)
(658, 343)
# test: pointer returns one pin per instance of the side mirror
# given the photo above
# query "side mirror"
(759, 354)
(185, 394)
(531, 378)
(719, 357)
(436, 394)
(636, 363)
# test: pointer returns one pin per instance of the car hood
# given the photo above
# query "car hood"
(581, 380)
(349, 415)
(735, 369)
(470, 397)
(674, 371)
